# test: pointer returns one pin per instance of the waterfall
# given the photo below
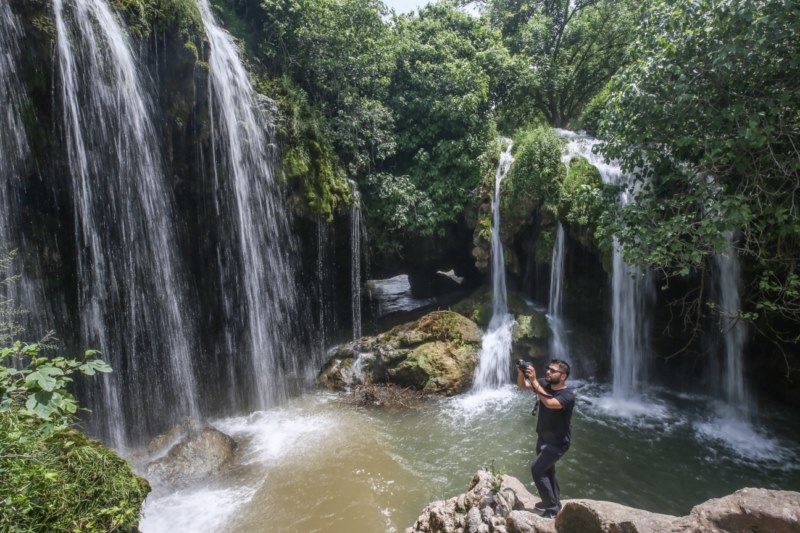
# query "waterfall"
(355, 259)
(558, 345)
(255, 255)
(631, 287)
(26, 293)
(733, 332)
(130, 287)
(493, 366)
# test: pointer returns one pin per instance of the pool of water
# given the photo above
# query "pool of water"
(322, 464)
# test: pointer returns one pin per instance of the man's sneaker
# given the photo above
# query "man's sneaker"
(539, 508)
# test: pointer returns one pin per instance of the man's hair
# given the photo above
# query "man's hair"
(562, 365)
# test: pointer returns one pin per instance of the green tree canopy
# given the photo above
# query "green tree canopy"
(441, 97)
(707, 116)
(567, 51)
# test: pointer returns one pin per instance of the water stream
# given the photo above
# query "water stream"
(558, 342)
(631, 289)
(355, 259)
(257, 250)
(131, 289)
(26, 294)
(494, 363)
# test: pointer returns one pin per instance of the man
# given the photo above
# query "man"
(553, 428)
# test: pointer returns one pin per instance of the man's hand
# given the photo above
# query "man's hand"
(530, 373)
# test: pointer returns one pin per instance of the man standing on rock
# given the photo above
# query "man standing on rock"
(553, 428)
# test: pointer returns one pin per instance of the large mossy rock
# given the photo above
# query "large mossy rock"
(437, 353)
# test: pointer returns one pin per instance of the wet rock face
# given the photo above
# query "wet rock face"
(198, 454)
(503, 504)
(437, 353)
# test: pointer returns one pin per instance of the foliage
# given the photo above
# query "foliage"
(146, 16)
(53, 478)
(338, 52)
(39, 388)
(63, 481)
(567, 51)
(536, 175)
(9, 328)
(309, 162)
(441, 98)
(584, 199)
(707, 117)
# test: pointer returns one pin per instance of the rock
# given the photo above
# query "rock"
(502, 504)
(437, 354)
(746, 510)
(592, 516)
(493, 504)
(200, 454)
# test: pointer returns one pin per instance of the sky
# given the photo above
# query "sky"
(404, 6)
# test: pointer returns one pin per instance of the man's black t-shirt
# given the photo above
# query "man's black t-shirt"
(553, 425)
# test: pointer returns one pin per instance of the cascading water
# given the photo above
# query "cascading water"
(632, 287)
(558, 342)
(13, 141)
(355, 259)
(258, 288)
(733, 332)
(25, 293)
(130, 287)
(493, 366)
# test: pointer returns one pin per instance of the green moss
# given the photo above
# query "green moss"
(309, 164)
(64, 482)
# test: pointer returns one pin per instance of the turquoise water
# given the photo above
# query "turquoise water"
(321, 464)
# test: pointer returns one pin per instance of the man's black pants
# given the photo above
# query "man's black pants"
(543, 471)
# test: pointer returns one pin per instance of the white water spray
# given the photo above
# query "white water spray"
(493, 366)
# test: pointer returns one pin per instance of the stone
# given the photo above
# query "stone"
(750, 510)
(592, 516)
(197, 456)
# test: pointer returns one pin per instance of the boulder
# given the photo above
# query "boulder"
(437, 354)
(748, 510)
(590, 516)
(198, 455)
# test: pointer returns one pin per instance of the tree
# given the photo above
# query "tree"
(567, 51)
(706, 115)
(441, 97)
